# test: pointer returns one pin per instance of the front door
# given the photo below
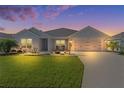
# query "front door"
(44, 44)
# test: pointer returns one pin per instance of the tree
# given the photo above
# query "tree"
(7, 44)
(113, 45)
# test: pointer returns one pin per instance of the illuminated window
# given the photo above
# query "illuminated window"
(26, 43)
(57, 42)
(23, 43)
(60, 42)
(29, 43)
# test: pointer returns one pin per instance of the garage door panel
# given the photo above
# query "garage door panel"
(86, 45)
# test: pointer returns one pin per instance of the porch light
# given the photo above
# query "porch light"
(70, 41)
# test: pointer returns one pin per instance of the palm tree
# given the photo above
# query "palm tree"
(113, 45)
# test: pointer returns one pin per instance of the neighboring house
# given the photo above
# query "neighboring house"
(4, 35)
(117, 38)
(63, 39)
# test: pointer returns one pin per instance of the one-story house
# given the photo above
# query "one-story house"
(119, 38)
(63, 39)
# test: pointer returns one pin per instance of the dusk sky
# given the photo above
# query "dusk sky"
(108, 19)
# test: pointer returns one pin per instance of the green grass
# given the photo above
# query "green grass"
(40, 71)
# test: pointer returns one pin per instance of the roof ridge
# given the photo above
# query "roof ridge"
(61, 32)
(121, 34)
(32, 29)
(96, 30)
(60, 29)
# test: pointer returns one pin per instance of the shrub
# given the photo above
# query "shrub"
(7, 44)
(19, 51)
(13, 50)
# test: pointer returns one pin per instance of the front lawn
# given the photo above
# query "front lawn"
(40, 71)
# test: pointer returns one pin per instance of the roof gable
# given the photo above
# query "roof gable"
(26, 32)
(4, 35)
(33, 31)
(62, 32)
(89, 32)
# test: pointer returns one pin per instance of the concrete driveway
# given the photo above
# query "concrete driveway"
(102, 70)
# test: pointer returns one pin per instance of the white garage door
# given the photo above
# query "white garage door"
(87, 45)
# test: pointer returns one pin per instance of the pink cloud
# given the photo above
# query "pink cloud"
(13, 13)
(29, 12)
(11, 18)
(54, 11)
(51, 15)
(76, 14)
(39, 24)
(64, 7)
(1, 28)
(22, 17)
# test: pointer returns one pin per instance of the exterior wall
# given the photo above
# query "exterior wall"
(26, 35)
(50, 44)
(67, 44)
(103, 45)
(122, 42)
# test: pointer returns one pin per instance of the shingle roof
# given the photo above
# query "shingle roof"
(90, 32)
(34, 31)
(62, 32)
(4, 35)
(118, 36)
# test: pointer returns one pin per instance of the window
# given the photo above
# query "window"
(60, 45)
(23, 43)
(26, 43)
(57, 42)
(60, 42)
(29, 43)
